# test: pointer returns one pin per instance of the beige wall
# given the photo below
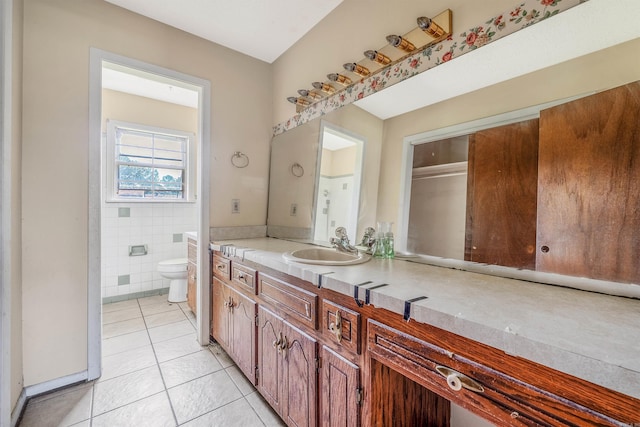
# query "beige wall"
(339, 162)
(146, 111)
(57, 37)
(16, 212)
(356, 26)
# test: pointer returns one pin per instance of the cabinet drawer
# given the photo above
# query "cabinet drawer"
(221, 267)
(341, 325)
(292, 300)
(243, 276)
(483, 389)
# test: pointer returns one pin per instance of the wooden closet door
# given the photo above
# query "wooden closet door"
(501, 195)
(589, 187)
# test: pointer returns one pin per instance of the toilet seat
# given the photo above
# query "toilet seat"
(173, 265)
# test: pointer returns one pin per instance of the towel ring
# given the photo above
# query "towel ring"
(297, 170)
(240, 160)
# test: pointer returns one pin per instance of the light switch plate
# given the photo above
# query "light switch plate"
(235, 206)
(294, 209)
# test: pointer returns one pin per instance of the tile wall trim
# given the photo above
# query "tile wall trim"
(523, 15)
(142, 294)
(241, 232)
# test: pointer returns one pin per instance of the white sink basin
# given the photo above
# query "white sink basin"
(325, 256)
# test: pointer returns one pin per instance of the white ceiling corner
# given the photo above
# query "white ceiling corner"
(263, 29)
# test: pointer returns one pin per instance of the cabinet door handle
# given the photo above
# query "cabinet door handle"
(336, 327)
(277, 343)
(284, 345)
(457, 381)
(229, 304)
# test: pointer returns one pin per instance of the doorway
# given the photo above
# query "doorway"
(170, 191)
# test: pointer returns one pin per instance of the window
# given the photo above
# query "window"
(148, 163)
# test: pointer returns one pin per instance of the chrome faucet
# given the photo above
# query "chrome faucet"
(368, 240)
(341, 241)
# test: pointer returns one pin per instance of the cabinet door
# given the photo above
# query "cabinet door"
(589, 187)
(340, 391)
(243, 334)
(300, 378)
(191, 286)
(220, 297)
(501, 195)
(269, 361)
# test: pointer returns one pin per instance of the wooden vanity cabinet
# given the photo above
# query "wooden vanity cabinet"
(192, 257)
(341, 391)
(287, 369)
(383, 371)
(233, 325)
(506, 390)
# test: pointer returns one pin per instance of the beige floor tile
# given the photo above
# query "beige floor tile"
(120, 328)
(177, 347)
(125, 342)
(120, 315)
(172, 330)
(264, 411)
(221, 355)
(183, 369)
(213, 391)
(162, 307)
(127, 362)
(240, 380)
(238, 413)
(122, 305)
(63, 409)
(153, 411)
(160, 319)
(120, 391)
(156, 299)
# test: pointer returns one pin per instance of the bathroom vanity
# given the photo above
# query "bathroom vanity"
(396, 342)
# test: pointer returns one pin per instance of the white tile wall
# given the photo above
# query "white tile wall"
(153, 224)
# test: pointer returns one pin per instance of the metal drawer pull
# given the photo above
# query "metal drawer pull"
(221, 267)
(336, 327)
(456, 381)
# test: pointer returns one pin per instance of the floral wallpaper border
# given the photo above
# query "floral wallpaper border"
(524, 15)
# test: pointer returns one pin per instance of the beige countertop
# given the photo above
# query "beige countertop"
(586, 334)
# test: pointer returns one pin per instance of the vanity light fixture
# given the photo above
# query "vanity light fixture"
(339, 78)
(358, 69)
(378, 57)
(298, 101)
(400, 43)
(326, 88)
(430, 27)
(312, 94)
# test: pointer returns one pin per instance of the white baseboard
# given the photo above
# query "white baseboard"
(44, 387)
(17, 410)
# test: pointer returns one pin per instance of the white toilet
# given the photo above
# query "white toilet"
(175, 270)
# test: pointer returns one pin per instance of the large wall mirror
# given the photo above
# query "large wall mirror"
(431, 196)
(323, 175)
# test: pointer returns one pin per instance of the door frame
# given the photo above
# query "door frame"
(94, 297)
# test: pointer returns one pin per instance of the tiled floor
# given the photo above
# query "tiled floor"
(154, 373)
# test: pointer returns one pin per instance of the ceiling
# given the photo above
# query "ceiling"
(263, 29)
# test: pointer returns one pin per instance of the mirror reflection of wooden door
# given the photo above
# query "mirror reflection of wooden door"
(501, 195)
(589, 187)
